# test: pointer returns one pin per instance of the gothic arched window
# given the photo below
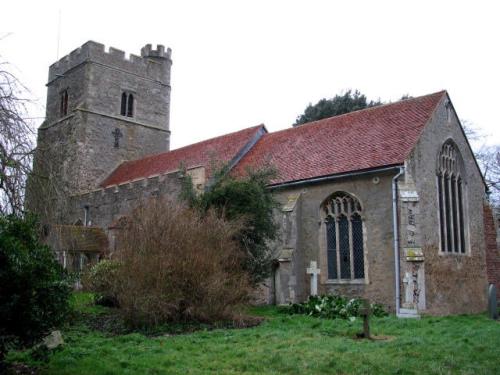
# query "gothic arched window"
(344, 237)
(451, 199)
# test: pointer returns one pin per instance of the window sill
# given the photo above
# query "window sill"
(343, 282)
(452, 254)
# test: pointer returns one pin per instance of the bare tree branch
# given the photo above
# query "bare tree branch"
(16, 142)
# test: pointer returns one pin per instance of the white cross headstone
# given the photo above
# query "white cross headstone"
(314, 271)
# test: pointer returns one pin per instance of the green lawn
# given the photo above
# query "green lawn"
(289, 345)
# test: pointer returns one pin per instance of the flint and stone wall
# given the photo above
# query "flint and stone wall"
(303, 238)
(79, 148)
(431, 282)
(454, 283)
(104, 207)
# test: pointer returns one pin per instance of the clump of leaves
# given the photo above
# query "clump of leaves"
(99, 280)
(332, 307)
(34, 289)
(245, 199)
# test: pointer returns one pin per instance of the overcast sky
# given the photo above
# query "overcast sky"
(241, 63)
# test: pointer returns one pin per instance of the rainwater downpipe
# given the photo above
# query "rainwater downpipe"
(395, 230)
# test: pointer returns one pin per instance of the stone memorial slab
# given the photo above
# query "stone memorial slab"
(492, 302)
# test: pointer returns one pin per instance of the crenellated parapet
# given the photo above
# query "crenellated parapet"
(106, 205)
(153, 63)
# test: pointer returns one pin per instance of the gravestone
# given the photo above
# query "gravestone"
(365, 313)
(314, 271)
(492, 302)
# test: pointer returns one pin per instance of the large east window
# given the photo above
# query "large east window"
(344, 237)
(450, 188)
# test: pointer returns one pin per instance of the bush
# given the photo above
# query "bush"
(332, 307)
(245, 199)
(99, 280)
(34, 289)
(177, 266)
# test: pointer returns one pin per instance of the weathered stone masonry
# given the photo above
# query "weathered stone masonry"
(83, 142)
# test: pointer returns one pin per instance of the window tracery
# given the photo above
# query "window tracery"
(451, 199)
(344, 232)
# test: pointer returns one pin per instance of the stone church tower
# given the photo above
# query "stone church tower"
(102, 109)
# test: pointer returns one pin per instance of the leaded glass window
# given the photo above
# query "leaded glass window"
(344, 237)
(450, 199)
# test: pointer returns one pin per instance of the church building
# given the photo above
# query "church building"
(386, 203)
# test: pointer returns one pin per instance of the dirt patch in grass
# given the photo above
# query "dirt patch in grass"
(112, 323)
(19, 369)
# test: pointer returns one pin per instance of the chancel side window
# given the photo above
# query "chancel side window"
(450, 189)
(127, 104)
(344, 237)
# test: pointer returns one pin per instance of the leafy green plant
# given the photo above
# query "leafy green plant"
(332, 307)
(99, 279)
(34, 289)
(244, 199)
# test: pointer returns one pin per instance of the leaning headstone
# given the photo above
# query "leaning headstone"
(492, 302)
(53, 340)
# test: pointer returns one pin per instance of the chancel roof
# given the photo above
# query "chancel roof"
(361, 140)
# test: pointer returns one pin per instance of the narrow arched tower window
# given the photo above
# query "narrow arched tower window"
(123, 107)
(130, 105)
(127, 104)
(63, 106)
(450, 190)
(344, 237)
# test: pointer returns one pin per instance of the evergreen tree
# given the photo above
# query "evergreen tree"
(338, 105)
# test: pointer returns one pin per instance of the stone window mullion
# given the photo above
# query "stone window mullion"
(450, 209)
(443, 203)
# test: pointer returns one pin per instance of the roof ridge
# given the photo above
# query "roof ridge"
(317, 122)
(191, 144)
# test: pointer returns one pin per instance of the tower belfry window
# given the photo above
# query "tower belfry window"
(63, 106)
(127, 105)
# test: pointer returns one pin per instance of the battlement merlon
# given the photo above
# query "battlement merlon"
(95, 52)
(159, 52)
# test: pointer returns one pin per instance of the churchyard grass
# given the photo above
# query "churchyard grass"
(284, 344)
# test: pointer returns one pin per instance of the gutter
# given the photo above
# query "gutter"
(335, 177)
(396, 238)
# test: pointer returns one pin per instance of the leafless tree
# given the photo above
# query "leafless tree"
(488, 158)
(489, 161)
(16, 142)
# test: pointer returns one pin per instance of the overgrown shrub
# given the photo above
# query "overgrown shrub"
(332, 307)
(246, 199)
(34, 289)
(99, 280)
(177, 265)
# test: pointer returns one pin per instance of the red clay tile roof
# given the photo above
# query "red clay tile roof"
(76, 238)
(221, 149)
(365, 139)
